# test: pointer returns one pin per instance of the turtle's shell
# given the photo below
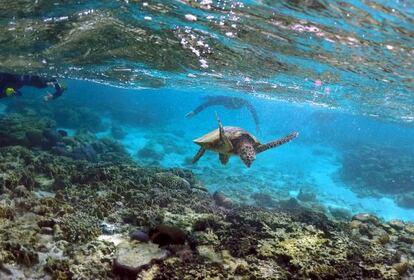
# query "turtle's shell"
(211, 140)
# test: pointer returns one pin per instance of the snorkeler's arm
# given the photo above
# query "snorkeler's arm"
(254, 115)
(58, 91)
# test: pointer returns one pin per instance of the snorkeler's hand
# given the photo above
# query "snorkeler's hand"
(190, 114)
(48, 97)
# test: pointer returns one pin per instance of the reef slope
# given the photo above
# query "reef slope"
(64, 215)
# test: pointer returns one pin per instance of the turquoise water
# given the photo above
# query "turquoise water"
(338, 72)
(319, 161)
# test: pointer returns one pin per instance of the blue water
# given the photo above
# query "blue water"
(338, 72)
(154, 119)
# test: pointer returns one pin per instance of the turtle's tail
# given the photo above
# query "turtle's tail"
(277, 143)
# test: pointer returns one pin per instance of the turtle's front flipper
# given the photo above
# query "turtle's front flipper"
(223, 138)
(199, 154)
(276, 143)
(224, 158)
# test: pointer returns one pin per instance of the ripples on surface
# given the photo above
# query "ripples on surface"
(354, 55)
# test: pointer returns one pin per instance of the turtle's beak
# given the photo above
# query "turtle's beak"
(247, 161)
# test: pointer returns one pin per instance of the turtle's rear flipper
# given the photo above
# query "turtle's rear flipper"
(224, 140)
(199, 154)
(276, 143)
(224, 159)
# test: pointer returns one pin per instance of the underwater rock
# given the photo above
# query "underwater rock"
(84, 152)
(46, 222)
(221, 200)
(397, 224)
(110, 151)
(132, 257)
(263, 200)
(117, 132)
(60, 149)
(62, 132)
(149, 153)
(139, 235)
(60, 183)
(366, 218)
(306, 196)
(405, 200)
(34, 137)
(52, 136)
(341, 214)
(291, 203)
(167, 235)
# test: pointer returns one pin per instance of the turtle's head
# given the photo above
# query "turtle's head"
(247, 153)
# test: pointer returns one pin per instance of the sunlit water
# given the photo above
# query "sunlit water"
(339, 72)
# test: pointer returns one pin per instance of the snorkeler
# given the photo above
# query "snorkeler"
(11, 83)
(229, 103)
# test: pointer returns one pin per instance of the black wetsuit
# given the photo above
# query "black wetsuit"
(16, 82)
(229, 103)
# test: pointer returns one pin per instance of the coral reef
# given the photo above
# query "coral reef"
(378, 170)
(75, 116)
(132, 257)
(79, 227)
(167, 235)
(32, 132)
(16, 129)
(64, 217)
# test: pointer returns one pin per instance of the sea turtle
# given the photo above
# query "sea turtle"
(230, 140)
